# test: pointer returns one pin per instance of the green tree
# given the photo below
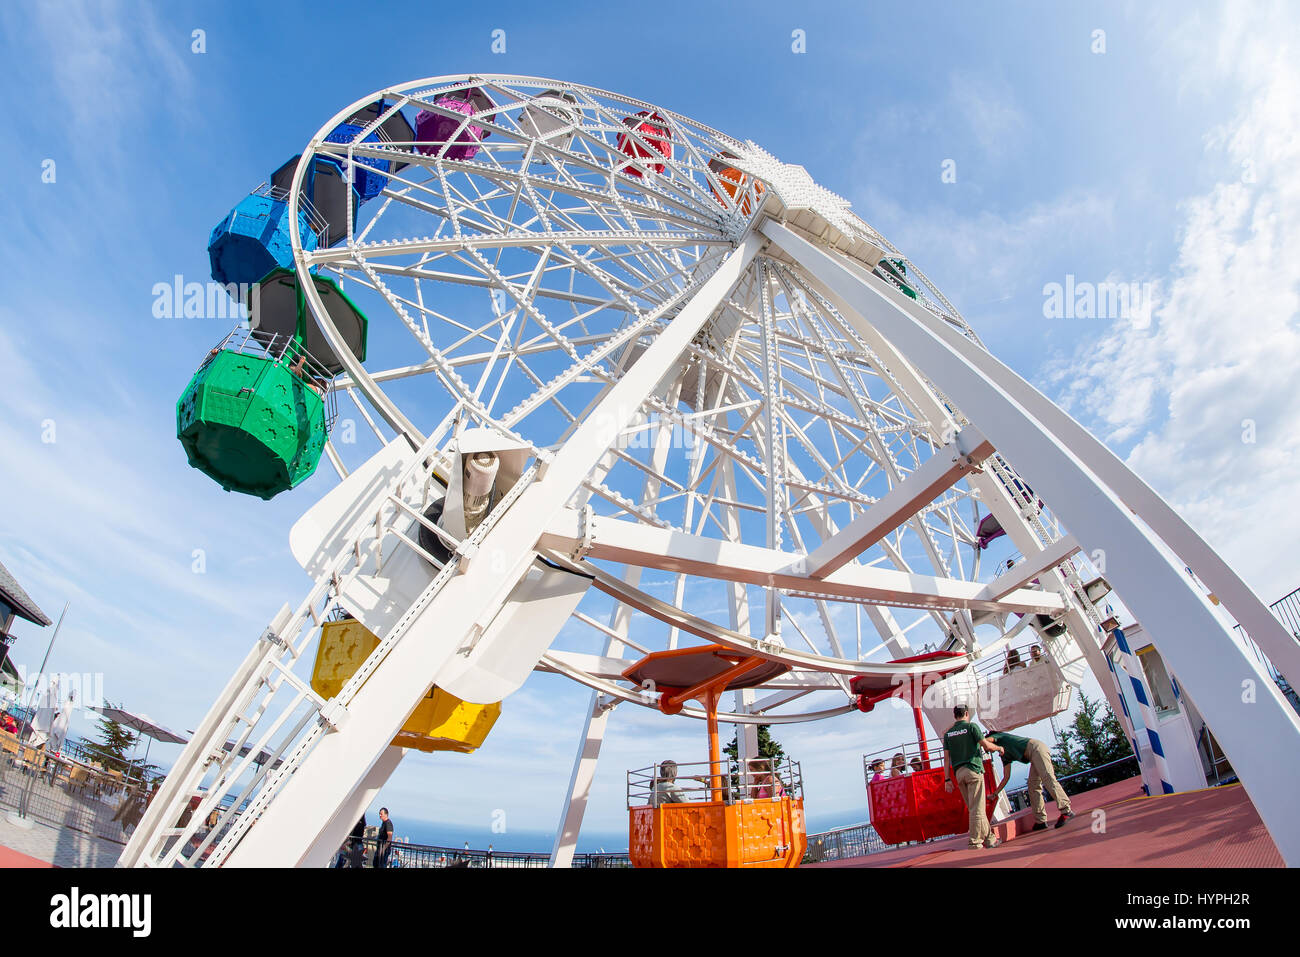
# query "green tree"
(1093, 738)
(114, 744)
(768, 746)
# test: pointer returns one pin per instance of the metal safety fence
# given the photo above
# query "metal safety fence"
(46, 789)
(856, 840)
(1287, 610)
(366, 853)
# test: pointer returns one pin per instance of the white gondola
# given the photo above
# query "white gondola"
(1026, 692)
(552, 117)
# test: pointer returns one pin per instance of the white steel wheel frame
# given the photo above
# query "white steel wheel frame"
(369, 384)
(798, 300)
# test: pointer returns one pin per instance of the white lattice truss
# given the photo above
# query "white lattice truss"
(724, 389)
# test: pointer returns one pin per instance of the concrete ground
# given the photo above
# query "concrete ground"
(46, 846)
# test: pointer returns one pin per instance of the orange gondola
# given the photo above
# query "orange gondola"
(752, 815)
(735, 185)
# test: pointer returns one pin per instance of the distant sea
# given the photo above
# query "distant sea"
(453, 835)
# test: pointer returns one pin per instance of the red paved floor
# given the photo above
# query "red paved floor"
(1116, 826)
(11, 858)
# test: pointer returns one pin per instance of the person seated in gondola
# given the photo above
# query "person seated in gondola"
(1013, 662)
(877, 770)
(300, 369)
(667, 790)
(897, 766)
(762, 783)
(916, 765)
(1035, 655)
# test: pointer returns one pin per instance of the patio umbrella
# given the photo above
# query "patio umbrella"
(59, 726)
(144, 725)
(43, 720)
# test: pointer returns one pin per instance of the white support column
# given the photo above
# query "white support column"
(580, 780)
(1152, 776)
(1160, 778)
(598, 710)
(1184, 627)
(350, 811)
(992, 494)
(738, 614)
(1183, 540)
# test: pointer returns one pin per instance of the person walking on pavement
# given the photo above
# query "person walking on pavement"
(383, 839)
(964, 762)
(1041, 775)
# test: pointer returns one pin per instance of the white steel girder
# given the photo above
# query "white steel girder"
(1032, 567)
(670, 550)
(944, 468)
(992, 493)
(1184, 627)
(350, 811)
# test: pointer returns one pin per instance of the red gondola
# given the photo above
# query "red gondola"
(647, 130)
(908, 800)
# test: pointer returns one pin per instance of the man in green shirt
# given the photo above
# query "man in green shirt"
(1041, 775)
(963, 760)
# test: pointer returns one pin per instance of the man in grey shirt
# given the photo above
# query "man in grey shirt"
(667, 790)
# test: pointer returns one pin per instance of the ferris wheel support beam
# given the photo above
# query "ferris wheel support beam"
(737, 597)
(916, 393)
(946, 467)
(1237, 597)
(1081, 628)
(667, 549)
(1184, 627)
(1031, 567)
(350, 811)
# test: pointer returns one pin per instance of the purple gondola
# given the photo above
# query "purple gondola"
(451, 136)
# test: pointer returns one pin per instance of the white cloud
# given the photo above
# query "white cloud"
(116, 64)
(989, 257)
(988, 108)
(1223, 350)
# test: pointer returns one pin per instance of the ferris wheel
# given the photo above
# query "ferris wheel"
(631, 384)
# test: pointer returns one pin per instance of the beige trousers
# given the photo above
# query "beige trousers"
(971, 786)
(1043, 775)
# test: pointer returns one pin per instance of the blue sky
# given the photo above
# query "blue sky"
(1168, 159)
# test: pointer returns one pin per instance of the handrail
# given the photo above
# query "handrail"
(403, 854)
(1014, 657)
(1098, 767)
(1286, 610)
(761, 779)
(841, 843)
(930, 756)
(284, 351)
(1095, 769)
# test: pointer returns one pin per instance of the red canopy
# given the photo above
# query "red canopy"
(872, 689)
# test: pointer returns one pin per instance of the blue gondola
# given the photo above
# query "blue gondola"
(253, 239)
